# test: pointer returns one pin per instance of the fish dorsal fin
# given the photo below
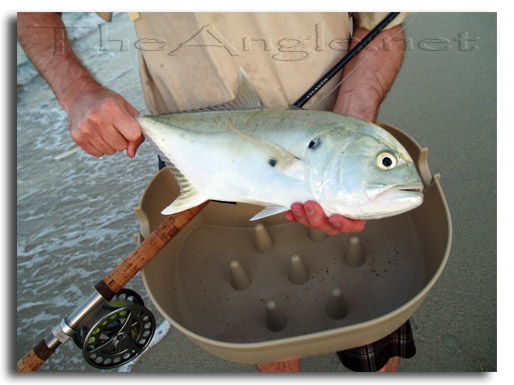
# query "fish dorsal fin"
(246, 99)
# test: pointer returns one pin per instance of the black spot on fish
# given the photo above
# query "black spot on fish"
(314, 143)
(272, 162)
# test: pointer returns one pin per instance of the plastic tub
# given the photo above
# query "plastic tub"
(249, 300)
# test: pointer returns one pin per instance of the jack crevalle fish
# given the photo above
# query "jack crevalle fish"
(241, 151)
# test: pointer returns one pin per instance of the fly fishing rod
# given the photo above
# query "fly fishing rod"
(112, 326)
(119, 333)
(349, 56)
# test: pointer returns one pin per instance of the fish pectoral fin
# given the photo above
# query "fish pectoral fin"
(269, 211)
(185, 201)
(277, 157)
(373, 190)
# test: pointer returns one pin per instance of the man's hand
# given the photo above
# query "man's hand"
(311, 215)
(360, 95)
(101, 122)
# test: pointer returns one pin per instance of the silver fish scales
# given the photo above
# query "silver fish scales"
(243, 152)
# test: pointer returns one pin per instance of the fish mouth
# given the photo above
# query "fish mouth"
(377, 190)
(413, 187)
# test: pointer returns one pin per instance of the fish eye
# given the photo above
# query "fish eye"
(387, 160)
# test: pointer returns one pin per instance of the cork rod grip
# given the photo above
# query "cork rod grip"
(124, 272)
(115, 280)
(33, 360)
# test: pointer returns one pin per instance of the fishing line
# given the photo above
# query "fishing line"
(318, 85)
(429, 186)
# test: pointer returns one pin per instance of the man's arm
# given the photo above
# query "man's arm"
(370, 76)
(100, 121)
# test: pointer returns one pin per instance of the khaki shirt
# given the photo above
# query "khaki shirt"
(192, 60)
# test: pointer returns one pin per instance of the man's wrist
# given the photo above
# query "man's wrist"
(361, 103)
(80, 86)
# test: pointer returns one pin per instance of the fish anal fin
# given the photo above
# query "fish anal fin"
(189, 196)
(184, 202)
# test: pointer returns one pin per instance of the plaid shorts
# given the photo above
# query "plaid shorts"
(373, 357)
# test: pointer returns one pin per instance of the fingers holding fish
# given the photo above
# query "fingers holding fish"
(131, 131)
(297, 214)
(110, 138)
(311, 215)
(133, 145)
(317, 219)
(347, 225)
(90, 137)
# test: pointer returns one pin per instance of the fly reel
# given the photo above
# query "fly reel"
(117, 332)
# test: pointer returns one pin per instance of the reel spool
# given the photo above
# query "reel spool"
(117, 332)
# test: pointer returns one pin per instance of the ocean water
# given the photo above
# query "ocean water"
(75, 219)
